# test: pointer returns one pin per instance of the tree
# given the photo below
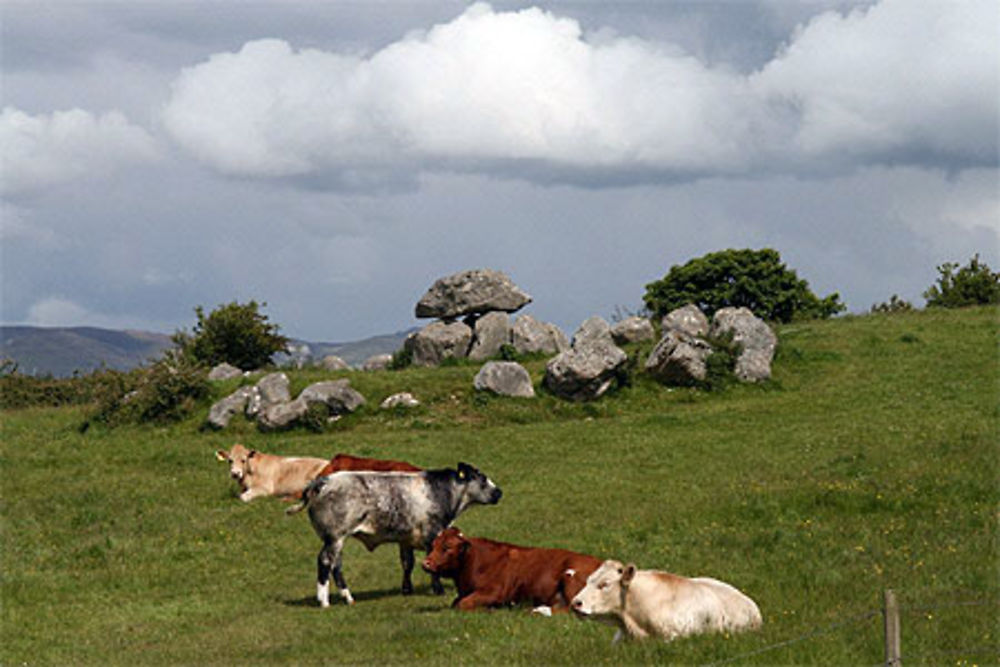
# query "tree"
(972, 285)
(234, 333)
(755, 279)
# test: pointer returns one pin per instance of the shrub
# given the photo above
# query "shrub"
(893, 305)
(401, 358)
(721, 362)
(20, 391)
(755, 279)
(235, 333)
(971, 285)
(169, 390)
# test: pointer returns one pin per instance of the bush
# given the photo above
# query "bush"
(236, 334)
(755, 279)
(167, 391)
(893, 305)
(971, 285)
(21, 391)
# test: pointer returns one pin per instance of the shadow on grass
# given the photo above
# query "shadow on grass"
(361, 596)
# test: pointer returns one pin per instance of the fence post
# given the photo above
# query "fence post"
(890, 615)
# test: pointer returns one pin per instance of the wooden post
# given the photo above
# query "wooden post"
(890, 615)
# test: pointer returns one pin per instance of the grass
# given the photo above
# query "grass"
(869, 462)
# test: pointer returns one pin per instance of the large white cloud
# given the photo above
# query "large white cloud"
(40, 151)
(900, 81)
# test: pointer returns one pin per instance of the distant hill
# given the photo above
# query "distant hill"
(62, 351)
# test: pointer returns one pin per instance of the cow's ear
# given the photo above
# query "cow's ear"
(221, 455)
(628, 574)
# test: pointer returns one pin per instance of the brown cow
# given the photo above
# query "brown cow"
(260, 474)
(494, 574)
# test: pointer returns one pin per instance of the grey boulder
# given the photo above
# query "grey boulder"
(755, 337)
(439, 341)
(224, 371)
(529, 336)
(679, 359)
(633, 329)
(491, 332)
(506, 378)
(224, 410)
(337, 395)
(688, 319)
(475, 291)
(282, 415)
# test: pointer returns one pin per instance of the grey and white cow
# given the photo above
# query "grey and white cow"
(409, 508)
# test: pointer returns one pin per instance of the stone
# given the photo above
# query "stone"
(332, 362)
(491, 332)
(475, 291)
(377, 362)
(403, 399)
(224, 371)
(756, 338)
(688, 319)
(594, 330)
(439, 341)
(584, 372)
(505, 378)
(529, 336)
(679, 359)
(269, 390)
(224, 410)
(633, 329)
(280, 416)
(337, 395)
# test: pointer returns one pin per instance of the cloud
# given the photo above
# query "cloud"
(528, 92)
(45, 150)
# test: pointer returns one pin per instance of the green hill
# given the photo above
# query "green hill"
(870, 462)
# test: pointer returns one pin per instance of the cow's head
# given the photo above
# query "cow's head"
(238, 458)
(477, 487)
(447, 553)
(604, 594)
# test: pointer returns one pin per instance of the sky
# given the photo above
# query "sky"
(333, 159)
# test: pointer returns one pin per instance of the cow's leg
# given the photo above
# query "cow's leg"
(406, 560)
(329, 559)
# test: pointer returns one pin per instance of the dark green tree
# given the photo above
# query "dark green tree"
(235, 333)
(970, 285)
(755, 279)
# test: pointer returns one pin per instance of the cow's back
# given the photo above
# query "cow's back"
(674, 606)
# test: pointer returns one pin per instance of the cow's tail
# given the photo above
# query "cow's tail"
(308, 494)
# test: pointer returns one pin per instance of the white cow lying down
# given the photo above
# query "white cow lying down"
(645, 603)
(260, 474)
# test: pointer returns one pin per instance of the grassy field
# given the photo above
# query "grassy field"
(870, 462)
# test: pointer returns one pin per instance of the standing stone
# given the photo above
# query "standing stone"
(492, 331)
(688, 319)
(337, 395)
(757, 340)
(269, 390)
(506, 378)
(633, 329)
(476, 291)
(439, 341)
(223, 411)
(679, 359)
(529, 336)
(594, 330)
(332, 362)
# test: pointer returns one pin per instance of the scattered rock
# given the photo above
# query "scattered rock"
(282, 415)
(223, 411)
(594, 330)
(269, 390)
(439, 341)
(754, 336)
(506, 378)
(337, 395)
(679, 359)
(588, 369)
(224, 371)
(332, 362)
(403, 399)
(688, 319)
(634, 329)
(476, 291)
(378, 362)
(491, 332)
(529, 336)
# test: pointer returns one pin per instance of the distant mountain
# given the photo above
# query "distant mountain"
(62, 351)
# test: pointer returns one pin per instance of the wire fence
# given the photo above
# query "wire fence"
(890, 613)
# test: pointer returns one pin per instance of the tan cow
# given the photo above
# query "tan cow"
(260, 474)
(650, 603)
